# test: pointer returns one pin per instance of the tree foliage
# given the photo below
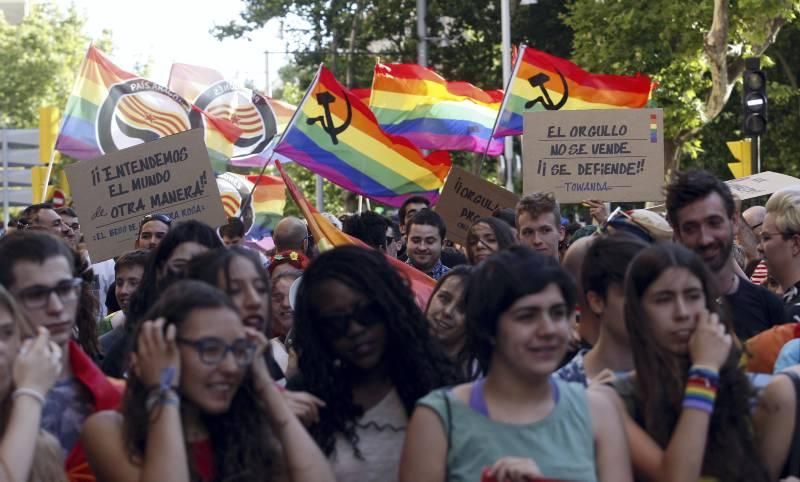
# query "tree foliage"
(695, 51)
(39, 57)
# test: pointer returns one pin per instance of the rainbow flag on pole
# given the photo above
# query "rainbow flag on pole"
(110, 109)
(541, 81)
(335, 135)
(327, 236)
(416, 103)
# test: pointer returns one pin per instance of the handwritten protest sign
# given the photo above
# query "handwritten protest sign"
(465, 198)
(171, 175)
(760, 184)
(610, 155)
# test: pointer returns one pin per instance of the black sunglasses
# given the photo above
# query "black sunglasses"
(338, 324)
(157, 217)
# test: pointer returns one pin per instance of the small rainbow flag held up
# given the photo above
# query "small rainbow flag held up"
(327, 236)
(269, 199)
(416, 103)
(543, 82)
(111, 109)
(336, 136)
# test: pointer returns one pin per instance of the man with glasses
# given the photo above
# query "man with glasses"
(43, 215)
(152, 230)
(37, 269)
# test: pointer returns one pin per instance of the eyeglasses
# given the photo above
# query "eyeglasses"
(157, 217)
(37, 297)
(213, 350)
(337, 325)
(75, 226)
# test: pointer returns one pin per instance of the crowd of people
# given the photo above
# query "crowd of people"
(640, 347)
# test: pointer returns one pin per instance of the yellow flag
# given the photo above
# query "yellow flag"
(741, 151)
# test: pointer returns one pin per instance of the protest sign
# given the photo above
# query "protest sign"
(465, 198)
(171, 175)
(760, 184)
(609, 155)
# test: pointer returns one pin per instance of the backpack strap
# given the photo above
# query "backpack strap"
(449, 411)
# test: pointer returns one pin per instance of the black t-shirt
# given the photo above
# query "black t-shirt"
(754, 309)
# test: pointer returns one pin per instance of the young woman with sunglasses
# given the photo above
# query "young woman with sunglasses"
(519, 423)
(687, 408)
(364, 349)
(200, 404)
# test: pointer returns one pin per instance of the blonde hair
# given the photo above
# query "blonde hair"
(785, 205)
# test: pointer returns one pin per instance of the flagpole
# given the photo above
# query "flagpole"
(283, 134)
(47, 176)
(502, 106)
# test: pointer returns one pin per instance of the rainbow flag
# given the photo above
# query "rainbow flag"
(543, 82)
(269, 200)
(110, 109)
(327, 236)
(283, 112)
(415, 102)
(336, 136)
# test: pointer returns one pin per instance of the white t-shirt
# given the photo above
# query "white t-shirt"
(104, 277)
(381, 432)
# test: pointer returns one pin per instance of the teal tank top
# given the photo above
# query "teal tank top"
(561, 444)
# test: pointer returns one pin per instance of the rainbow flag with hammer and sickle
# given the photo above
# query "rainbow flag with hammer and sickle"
(335, 135)
(541, 82)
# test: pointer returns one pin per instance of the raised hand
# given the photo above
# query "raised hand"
(710, 344)
(304, 405)
(156, 352)
(38, 364)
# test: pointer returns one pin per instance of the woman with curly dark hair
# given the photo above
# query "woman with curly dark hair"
(199, 404)
(364, 348)
(688, 404)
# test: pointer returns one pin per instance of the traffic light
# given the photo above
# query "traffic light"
(754, 98)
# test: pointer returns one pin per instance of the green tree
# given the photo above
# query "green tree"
(695, 52)
(39, 57)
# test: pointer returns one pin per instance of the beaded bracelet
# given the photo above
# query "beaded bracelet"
(701, 389)
(20, 392)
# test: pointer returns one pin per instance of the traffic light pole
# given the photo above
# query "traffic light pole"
(755, 152)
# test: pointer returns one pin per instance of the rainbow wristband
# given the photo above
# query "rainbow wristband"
(701, 389)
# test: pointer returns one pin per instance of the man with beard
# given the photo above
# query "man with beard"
(702, 213)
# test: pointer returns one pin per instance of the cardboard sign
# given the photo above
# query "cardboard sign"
(760, 184)
(610, 155)
(466, 197)
(171, 175)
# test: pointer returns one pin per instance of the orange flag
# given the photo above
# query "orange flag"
(327, 236)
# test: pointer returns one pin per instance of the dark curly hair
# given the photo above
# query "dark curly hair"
(244, 447)
(497, 283)
(661, 376)
(413, 361)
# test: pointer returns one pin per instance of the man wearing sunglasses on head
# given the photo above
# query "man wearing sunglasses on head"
(38, 270)
(152, 230)
(44, 216)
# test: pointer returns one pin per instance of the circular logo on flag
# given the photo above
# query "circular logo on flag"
(138, 111)
(248, 110)
(233, 190)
